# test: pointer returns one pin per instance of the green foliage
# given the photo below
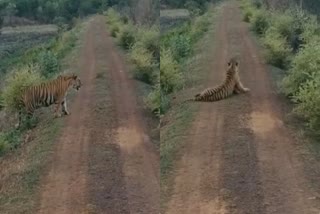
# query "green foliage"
(248, 9)
(144, 65)
(49, 63)
(199, 26)
(308, 98)
(112, 16)
(277, 50)
(149, 39)
(171, 78)
(259, 21)
(114, 30)
(305, 64)
(127, 36)
(9, 140)
(16, 81)
(154, 100)
(180, 46)
(283, 23)
(1, 101)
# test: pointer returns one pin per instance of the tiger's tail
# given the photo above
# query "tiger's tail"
(195, 98)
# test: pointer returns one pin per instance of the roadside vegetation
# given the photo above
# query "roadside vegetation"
(141, 42)
(291, 39)
(35, 65)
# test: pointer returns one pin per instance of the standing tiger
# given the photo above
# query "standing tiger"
(48, 93)
(230, 85)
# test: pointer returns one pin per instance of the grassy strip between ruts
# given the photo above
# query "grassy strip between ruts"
(177, 120)
(22, 168)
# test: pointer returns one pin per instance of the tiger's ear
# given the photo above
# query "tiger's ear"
(74, 76)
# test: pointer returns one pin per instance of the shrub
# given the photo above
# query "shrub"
(304, 64)
(180, 46)
(144, 66)
(1, 102)
(154, 100)
(283, 24)
(64, 44)
(49, 64)
(277, 50)
(9, 140)
(149, 39)
(112, 16)
(248, 12)
(199, 26)
(14, 83)
(310, 29)
(308, 98)
(114, 30)
(170, 75)
(127, 36)
(259, 21)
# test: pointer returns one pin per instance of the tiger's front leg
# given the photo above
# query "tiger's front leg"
(64, 107)
(239, 87)
(57, 112)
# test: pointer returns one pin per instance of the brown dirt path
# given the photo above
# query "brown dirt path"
(77, 180)
(240, 157)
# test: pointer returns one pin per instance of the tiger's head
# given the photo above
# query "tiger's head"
(76, 82)
(233, 65)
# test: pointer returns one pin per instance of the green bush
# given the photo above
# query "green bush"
(1, 102)
(49, 63)
(144, 65)
(304, 64)
(277, 50)
(15, 81)
(114, 30)
(9, 140)
(127, 36)
(308, 98)
(283, 24)
(64, 44)
(149, 39)
(199, 26)
(180, 46)
(310, 29)
(112, 16)
(170, 75)
(154, 100)
(248, 13)
(259, 21)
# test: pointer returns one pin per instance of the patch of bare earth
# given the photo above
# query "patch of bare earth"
(240, 157)
(103, 161)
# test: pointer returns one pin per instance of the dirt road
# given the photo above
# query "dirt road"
(240, 157)
(103, 160)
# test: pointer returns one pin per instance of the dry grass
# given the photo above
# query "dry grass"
(174, 13)
(30, 29)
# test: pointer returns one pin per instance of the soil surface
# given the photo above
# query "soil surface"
(104, 161)
(240, 157)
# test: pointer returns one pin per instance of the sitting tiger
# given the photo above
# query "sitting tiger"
(48, 93)
(230, 85)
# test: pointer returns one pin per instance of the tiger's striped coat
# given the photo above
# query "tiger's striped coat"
(230, 85)
(48, 93)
